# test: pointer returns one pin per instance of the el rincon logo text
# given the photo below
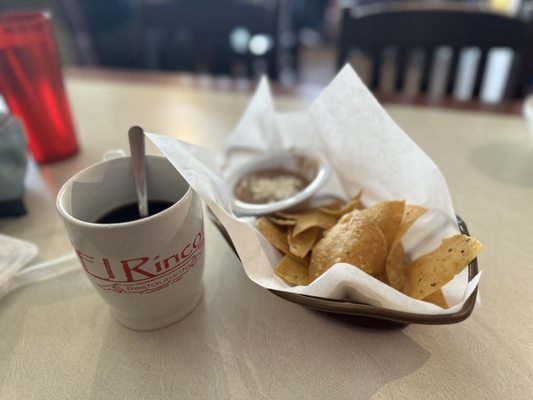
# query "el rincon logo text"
(140, 269)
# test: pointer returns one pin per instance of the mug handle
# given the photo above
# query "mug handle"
(111, 154)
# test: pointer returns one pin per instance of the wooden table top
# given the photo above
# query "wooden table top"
(59, 341)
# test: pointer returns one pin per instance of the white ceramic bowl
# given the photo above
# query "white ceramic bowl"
(311, 165)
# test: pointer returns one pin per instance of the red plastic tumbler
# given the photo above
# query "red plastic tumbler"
(31, 82)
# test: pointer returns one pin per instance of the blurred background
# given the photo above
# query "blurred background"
(462, 49)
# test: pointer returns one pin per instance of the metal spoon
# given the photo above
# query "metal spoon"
(136, 136)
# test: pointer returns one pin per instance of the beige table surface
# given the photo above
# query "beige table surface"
(58, 340)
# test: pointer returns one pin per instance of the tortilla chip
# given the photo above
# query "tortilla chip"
(382, 276)
(308, 220)
(411, 214)
(356, 240)
(301, 244)
(430, 272)
(282, 221)
(352, 204)
(437, 298)
(388, 216)
(293, 270)
(332, 207)
(315, 240)
(274, 234)
(281, 214)
(396, 267)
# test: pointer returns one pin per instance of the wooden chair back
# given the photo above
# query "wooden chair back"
(425, 30)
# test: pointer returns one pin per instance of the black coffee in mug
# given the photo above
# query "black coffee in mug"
(130, 212)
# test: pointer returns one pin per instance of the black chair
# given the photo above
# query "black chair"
(195, 36)
(423, 30)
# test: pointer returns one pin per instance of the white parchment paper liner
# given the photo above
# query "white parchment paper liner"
(368, 151)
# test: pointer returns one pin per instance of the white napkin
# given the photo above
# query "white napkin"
(367, 150)
(15, 254)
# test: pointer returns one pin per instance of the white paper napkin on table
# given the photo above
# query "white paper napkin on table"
(15, 254)
(367, 150)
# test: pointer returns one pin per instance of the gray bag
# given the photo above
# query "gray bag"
(13, 162)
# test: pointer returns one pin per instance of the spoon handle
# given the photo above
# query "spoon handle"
(136, 136)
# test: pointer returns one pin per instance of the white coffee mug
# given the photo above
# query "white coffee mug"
(149, 271)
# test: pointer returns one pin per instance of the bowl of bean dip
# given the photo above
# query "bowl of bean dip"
(279, 181)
